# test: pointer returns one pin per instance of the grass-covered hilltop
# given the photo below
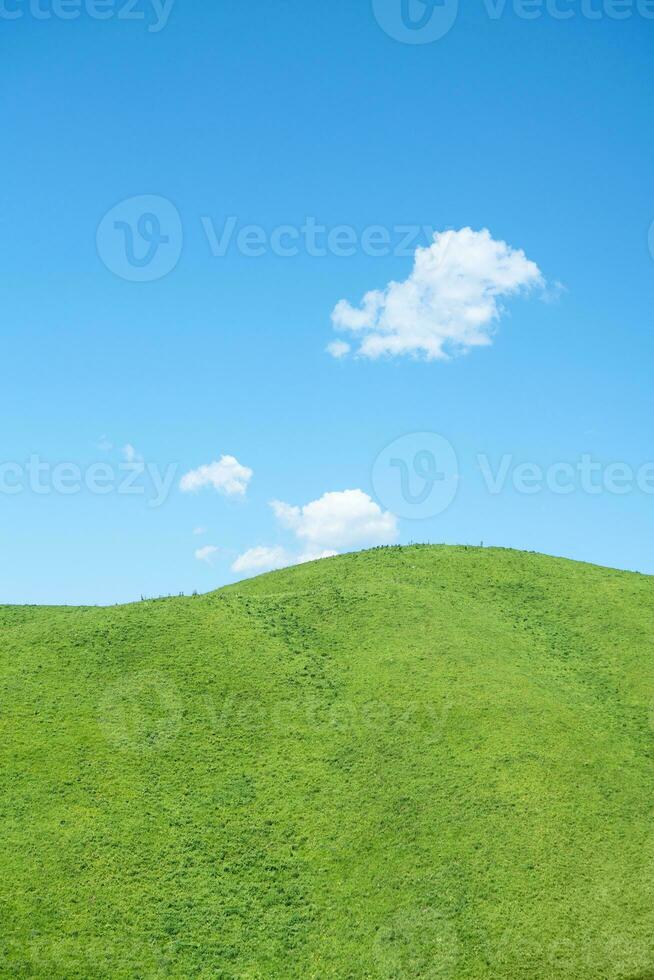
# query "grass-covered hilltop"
(408, 762)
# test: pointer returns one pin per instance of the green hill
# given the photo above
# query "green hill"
(407, 762)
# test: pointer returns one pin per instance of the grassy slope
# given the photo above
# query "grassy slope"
(408, 762)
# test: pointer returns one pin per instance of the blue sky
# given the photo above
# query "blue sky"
(538, 130)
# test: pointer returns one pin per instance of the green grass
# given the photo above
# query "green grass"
(408, 762)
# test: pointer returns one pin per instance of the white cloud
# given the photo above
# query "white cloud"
(206, 553)
(339, 519)
(336, 520)
(553, 292)
(447, 305)
(200, 530)
(314, 556)
(104, 444)
(262, 559)
(130, 454)
(338, 348)
(226, 475)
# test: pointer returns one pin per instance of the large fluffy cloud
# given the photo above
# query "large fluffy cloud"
(226, 475)
(449, 303)
(336, 520)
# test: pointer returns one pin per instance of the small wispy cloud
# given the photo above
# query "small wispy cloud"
(207, 553)
(130, 453)
(200, 530)
(553, 292)
(338, 348)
